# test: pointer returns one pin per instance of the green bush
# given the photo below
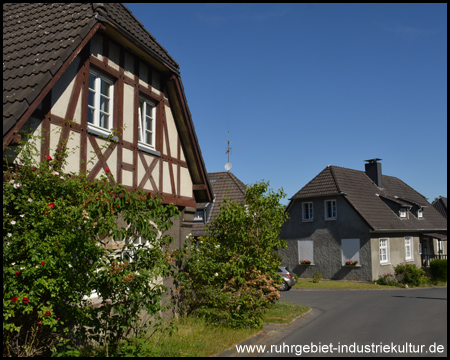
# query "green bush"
(231, 272)
(410, 274)
(317, 277)
(438, 269)
(55, 228)
(387, 279)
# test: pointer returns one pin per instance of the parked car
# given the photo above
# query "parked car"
(288, 278)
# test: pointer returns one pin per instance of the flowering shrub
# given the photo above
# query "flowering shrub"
(387, 279)
(411, 274)
(231, 274)
(55, 231)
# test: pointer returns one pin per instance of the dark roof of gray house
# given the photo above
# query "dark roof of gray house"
(38, 38)
(377, 206)
(441, 206)
(225, 186)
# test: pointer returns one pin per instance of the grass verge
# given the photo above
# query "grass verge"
(335, 284)
(284, 312)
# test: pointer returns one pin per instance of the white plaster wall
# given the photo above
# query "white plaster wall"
(127, 177)
(128, 112)
(185, 183)
(143, 74)
(77, 114)
(173, 134)
(114, 56)
(97, 46)
(62, 90)
(127, 156)
(167, 187)
(73, 159)
(129, 65)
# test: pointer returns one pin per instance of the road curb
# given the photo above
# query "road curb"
(269, 330)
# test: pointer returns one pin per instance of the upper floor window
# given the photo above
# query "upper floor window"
(100, 104)
(402, 213)
(420, 214)
(384, 251)
(199, 216)
(147, 123)
(307, 211)
(330, 209)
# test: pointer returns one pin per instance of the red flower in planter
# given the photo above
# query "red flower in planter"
(48, 157)
(25, 300)
(51, 205)
(47, 312)
(14, 299)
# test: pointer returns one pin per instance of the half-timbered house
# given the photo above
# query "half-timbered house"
(96, 65)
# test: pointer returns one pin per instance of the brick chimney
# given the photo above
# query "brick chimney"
(373, 171)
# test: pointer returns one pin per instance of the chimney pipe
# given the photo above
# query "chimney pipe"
(373, 171)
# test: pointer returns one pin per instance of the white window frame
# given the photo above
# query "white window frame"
(409, 256)
(141, 115)
(305, 257)
(199, 216)
(403, 213)
(95, 127)
(386, 258)
(333, 209)
(307, 211)
(420, 214)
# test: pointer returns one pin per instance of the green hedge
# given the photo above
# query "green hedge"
(438, 269)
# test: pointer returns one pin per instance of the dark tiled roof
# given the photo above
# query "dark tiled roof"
(225, 185)
(441, 206)
(371, 202)
(39, 37)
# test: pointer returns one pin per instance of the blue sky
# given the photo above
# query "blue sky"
(302, 86)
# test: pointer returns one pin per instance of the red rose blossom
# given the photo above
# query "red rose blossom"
(107, 170)
(47, 312)
(14, 299)
(43, 263)
(17, 273)
(39, 323)
(25, 300)
(48, 157)
(51, 205)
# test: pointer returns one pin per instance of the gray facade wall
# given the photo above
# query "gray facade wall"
(327, 236)
(396, 253)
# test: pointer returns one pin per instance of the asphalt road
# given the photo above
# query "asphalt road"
(403, 322)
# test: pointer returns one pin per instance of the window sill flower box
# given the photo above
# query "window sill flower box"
(352, 263)
(305, 262)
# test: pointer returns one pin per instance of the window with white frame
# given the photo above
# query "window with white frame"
(146, 124)
(420, 214)
(100, 104)
(330, 210)
(350, 251)
(402, 213)
(408, 248)
(307, 211)
(384, 251)
(306, 251)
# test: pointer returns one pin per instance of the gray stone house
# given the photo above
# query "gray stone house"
(345, 215)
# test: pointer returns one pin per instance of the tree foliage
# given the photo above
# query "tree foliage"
(231, 274)
(65, 238)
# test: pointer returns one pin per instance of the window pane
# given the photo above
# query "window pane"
(91, 98)
(91, 115)
(104, 104)
(104, 119)
(104, 88)
(91, 81)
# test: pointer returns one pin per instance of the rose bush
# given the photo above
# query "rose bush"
(56, 229)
